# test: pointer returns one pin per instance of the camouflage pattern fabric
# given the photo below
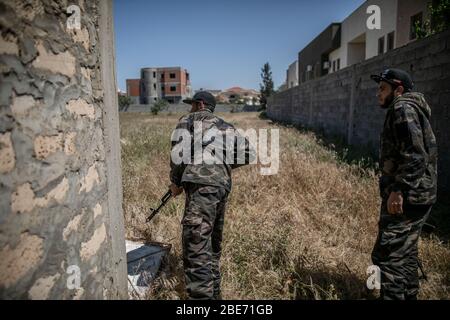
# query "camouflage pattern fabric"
(396, 253)
(209, 174)
(207, 187)
(408, 159)
(408, 151)
(202, 238)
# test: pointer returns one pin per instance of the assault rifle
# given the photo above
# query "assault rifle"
(164, 200)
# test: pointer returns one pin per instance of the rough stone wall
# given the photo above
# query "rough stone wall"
(60, 205)
(344, 103)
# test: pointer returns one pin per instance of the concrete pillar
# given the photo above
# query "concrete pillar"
(351, 106)
(61, 224)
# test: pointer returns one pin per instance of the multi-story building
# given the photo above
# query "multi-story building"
(292, 75)
(170, 84)
(133, 90)
(313, 60)
(343, 44)
(410, 12)
(358, 42)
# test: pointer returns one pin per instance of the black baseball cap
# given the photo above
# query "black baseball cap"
(395, 77)
(204, 96)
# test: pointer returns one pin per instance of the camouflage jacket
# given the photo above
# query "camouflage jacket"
(216, 174)
(408, 151)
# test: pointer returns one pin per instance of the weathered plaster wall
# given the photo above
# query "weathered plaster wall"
(60, 185)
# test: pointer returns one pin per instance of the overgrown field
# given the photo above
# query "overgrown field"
(305, 233)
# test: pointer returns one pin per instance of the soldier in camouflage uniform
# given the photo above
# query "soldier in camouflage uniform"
(207, 187)
(408, 159)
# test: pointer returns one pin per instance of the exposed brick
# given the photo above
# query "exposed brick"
(90, 248)
(63, 63)
(81, 36)
(42, 287)
(17, 261)
(9, 46)
(80, 108)
(90, 179)
(22, 104)
(44, 146)
(7, 156)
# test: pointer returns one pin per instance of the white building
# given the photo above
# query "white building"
(358, 42)
(292, 75)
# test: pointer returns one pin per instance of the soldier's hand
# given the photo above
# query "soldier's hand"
(175, 190)
(395, 203)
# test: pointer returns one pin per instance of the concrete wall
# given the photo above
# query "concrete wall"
(344, 103)
(60, 176)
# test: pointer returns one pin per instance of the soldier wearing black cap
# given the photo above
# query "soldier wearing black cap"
(207, 187)
(408, 159)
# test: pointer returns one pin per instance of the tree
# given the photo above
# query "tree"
(266, 87)
(438, 20)
(124, 102)
(158, 106)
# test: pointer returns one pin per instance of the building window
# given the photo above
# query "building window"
(154, 86)
(172, 76)
(187, 76)
(381, 45)
(162, 88)
(154, 74)
(162, 76)
(416, 21)
(390, 41)
(338, 66)
(334, 66)
(173, 88)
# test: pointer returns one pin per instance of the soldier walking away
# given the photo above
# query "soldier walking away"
(207, 187)
(408, 184)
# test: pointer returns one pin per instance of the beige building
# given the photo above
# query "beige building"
(292, 75)
(239, 95)
(358, 43)
(171, 84)
(408, 13)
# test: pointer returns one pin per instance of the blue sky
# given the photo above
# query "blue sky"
(221, 43)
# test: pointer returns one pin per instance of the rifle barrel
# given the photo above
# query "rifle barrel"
(164, 200)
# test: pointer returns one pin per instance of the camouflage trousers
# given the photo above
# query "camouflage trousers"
(396, 253)
(202, 238)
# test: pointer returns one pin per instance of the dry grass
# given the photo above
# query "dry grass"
(305, 233)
